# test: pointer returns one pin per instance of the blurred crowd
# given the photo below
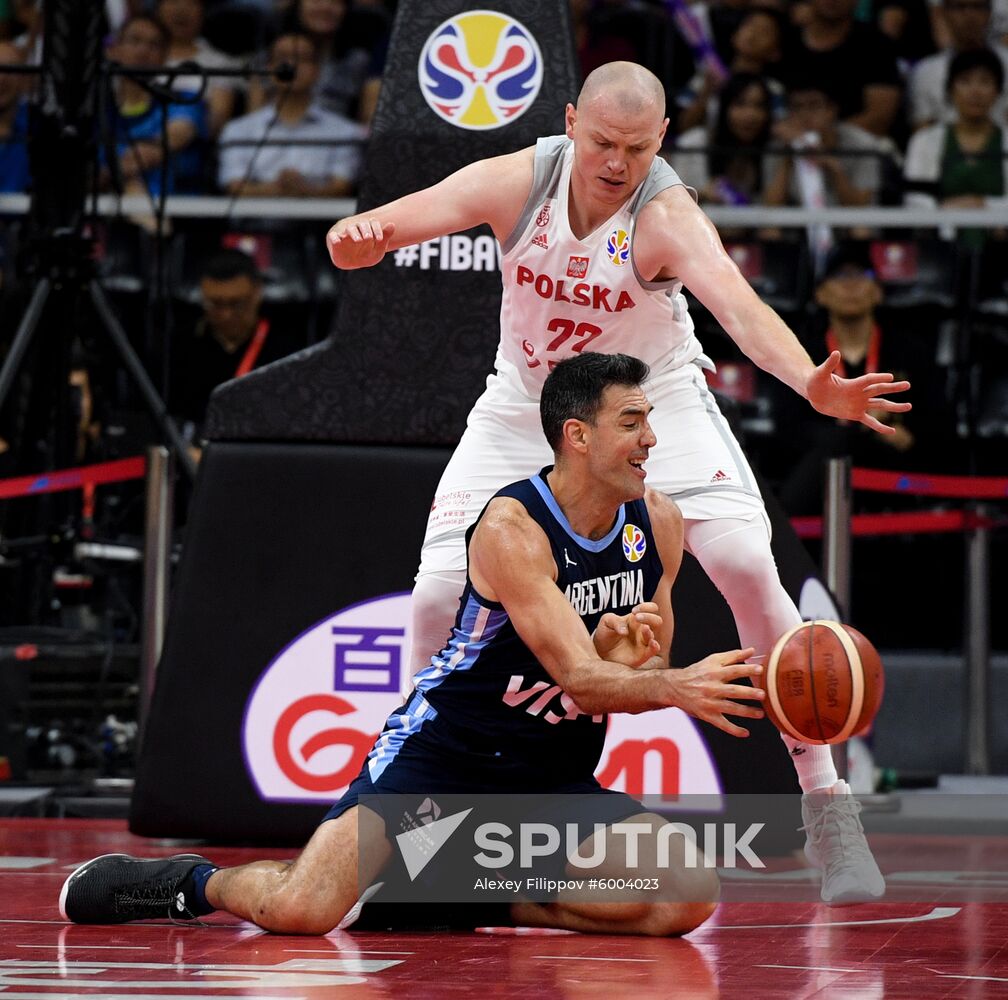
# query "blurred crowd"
(773, 102)
(810, 102)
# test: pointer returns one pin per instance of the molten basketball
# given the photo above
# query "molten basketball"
(823, 681)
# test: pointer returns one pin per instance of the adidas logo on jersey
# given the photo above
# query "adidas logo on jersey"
(720, 477)
(540, 241)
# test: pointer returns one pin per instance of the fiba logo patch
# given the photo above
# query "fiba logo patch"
(480, 70)
(618, 247)
(634, 543)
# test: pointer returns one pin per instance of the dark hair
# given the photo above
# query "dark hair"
(774, 15)
(845, 255)
(574, 389)
(965, 62)
(150, 19)
(803, 83)
(298, 32)
(725, 147)
(228, 264)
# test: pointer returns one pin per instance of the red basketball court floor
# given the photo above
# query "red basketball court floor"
(945, 946)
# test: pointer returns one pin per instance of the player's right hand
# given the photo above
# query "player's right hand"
(706, 690)
(358, 242)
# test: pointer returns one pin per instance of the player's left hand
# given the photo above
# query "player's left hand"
(629, 639)
(852, 398)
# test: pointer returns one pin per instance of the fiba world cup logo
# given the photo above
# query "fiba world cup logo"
(618, 247)
(480, 70)
(634, 543)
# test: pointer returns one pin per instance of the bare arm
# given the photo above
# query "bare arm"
(847, 193)
(491, 191)
(144, 154)
(510, 562)
(881, 102)
(676, 239)
(290, 184)
(220, 102)
(777, 188)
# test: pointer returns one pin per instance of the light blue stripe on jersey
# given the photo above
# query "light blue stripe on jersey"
(586, 543)
(478, 626)
(398, 727)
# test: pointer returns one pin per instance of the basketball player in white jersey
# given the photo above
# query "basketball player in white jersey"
(598, 237)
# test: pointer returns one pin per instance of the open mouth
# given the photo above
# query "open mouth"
(637, 464)
(611, 183)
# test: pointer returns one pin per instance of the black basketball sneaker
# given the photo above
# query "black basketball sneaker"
(117, 888)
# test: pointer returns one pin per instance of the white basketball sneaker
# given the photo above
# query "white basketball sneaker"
(835, 843)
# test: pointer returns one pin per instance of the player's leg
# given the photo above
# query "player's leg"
(312, 894)
(736, 555)
(309, 895)
(686, 897)
(698, 462)
(433, 607)
(503, 442)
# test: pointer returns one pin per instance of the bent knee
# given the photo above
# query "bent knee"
(291, 912)
(674, 919)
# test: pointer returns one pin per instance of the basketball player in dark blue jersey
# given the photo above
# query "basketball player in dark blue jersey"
(566, 616)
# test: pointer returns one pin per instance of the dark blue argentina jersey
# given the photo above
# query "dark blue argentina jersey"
(485, 691)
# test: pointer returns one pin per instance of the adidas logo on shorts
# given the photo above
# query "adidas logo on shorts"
(720, 477)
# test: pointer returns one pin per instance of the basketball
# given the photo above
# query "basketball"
(823, 681)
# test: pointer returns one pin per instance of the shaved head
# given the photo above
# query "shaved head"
(631, 87)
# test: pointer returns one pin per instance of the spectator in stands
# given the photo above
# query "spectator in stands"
(351, 44)
(755, 49)
(254, 157)
(907, 24)
(968, 23)
(850, 294)
(855, 61)
(184, 21)
(25, 27)
(727, 164)
(997, 32)
(595, 40)
(845, 156)
(14, 173)
(136, 119)
(230, 339)
(720, 19)
(963, 164)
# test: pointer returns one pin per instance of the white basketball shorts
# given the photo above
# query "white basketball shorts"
(696, 461)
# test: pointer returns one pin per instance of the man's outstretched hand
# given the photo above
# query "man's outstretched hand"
(358, 242)
(853, 398)
(707, 690)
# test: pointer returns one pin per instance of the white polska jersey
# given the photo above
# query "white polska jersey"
(563, 295)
